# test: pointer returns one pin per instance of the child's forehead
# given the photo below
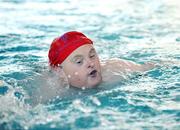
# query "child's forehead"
(83, 50)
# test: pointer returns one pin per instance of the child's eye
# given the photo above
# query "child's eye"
(79, 62)
(92, 56)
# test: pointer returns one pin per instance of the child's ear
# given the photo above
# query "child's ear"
(58, 70)
(60, 66)
(55, 68)
(60, 74)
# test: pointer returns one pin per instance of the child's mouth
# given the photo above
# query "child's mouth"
(93, 73)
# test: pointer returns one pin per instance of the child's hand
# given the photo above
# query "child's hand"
(148, 66)
(1, 83)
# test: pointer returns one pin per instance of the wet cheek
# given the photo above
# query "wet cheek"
(74, 77)
(77, 76)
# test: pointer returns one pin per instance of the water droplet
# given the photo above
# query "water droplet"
(96, 101)
(69, 76)
(76, 73)
(83, 88)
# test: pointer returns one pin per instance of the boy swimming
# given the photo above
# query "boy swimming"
(74, 54)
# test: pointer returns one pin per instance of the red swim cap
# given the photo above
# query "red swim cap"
(63, 46)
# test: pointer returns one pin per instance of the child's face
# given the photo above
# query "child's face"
(82, 67)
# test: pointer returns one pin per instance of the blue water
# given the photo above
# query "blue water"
(137, 30)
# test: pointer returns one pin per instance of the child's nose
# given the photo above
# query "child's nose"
(90, 64)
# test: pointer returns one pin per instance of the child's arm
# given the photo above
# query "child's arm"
(119, 65)
(133, 67)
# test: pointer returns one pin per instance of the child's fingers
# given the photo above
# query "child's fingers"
(148, 66)
(1, 83)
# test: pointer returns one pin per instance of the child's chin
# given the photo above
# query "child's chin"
(94, 84)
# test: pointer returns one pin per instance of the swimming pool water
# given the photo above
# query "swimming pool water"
(137, 30)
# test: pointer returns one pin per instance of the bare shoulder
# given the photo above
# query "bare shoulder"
(119, 67)
(50, 84)
(114, 70)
